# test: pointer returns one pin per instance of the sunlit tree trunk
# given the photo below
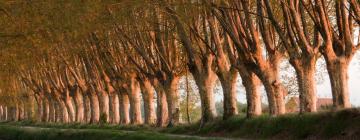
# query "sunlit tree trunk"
(124, 108)
(135, 100)
(148, 98)
(253, 96)
(228, 83)
(173, 100)
(87, 109)
(115, 108)
(79, 102)
(338, 73)
(95, 108)
(162, 109)
(305, 73)
(70, 107)
(104, 105)
(205, 79)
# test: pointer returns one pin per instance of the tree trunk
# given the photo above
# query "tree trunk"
(148, 98)
(268, 72)
(1, 113)
(305, 73)
(162, 109)
(70, 108)
(95, 108)
(173, 100)
(87, 109)
(79, 102)
(104, 105)
(274, 91)
(52, 112)
(57, 112)
(338, 73)
(46, 110)
(114, 107)
(228, 83)
(64, 112)
(6, 115)
(253, 96)
(39, 111)
(206, 85)
(135, 103)
(124, 108)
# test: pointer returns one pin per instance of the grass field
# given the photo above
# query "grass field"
(344, 124)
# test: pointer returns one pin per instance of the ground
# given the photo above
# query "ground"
(343, 124)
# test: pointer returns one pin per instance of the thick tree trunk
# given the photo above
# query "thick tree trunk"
(253, 96)
(228, 83)
(148, 98)
(135, 101)
(95, 108)
(46, 110)
(206, 85)
(64, 112)
(70, 108)
(87, 109)
(115, 108)
(338, 73)
(305, 73)
(275, 94)
(162, 109)
(1, 113)
(52, 112)
(104, 105)
(124, 108)
(6, 115)
(57, 112)
(79, 102)
(39, 109)
(173, 100)
(268, 72)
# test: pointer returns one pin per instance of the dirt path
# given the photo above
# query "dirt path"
(32, 128)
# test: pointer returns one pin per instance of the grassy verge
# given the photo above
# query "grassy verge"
(344, 124)
(8, 132)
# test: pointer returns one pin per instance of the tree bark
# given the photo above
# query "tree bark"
(1, 113)
(162, 109)
(64, 112)
(95, 108)
(135, 103)
(52, 113)
(338, 73)
(46, 111)
(115, 108)
(79, 103)
(148, 98)
(275, 94)
(173, 100)
(104, 105)
(124, 108)
(305, 73)
(70, 108)
(206, 83)
(253, 96)
(228, 83)
(39, 111)
(6, 115)
(87, 109)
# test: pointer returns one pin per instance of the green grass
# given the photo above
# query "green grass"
(341, 124)
(8, 132)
